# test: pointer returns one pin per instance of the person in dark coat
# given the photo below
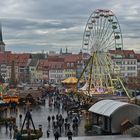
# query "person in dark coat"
(53, 117)
(69, 134)
(56, 135)
(49, 119)
(48, 133)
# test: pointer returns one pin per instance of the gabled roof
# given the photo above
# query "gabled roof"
(34, 93)
(43, 64)
(19, 59)
(33, 62)
(72, 58)
(106, 107)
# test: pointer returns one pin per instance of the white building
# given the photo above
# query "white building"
(138, 64)
(127, 61)
(56, 72)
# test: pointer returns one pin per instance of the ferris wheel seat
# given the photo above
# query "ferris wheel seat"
(101, 14)
(86, 44)
(93, 21)
(114, 27)
(87, 35)
(110, 20)
(117, 37)
(118, 48)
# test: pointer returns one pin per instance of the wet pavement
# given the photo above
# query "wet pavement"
(113, 137)
(39, 115)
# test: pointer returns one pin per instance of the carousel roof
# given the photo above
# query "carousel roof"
(11, 92)
(70, 80)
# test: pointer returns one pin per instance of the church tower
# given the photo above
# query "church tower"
(2, 44)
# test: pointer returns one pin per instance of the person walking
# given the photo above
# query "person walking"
(48, 133)
(20, 117)
(49, 119)
(69, 134)
(56, 135)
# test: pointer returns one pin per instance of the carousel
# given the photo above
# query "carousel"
(28, 130)
(70, 84)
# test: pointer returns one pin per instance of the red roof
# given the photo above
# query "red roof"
(72, 58)
(125, 53)
(42, 65)
(47, 65)
(137, 56)
(55, 58)
(20, 59)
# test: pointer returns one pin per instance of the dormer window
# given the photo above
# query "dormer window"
(68, 64)
(131, 56)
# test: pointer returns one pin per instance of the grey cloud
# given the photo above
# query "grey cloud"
(58, 23)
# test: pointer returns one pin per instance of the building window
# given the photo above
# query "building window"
(124, 62)
(134, 62)
(131, 56)
(72, 64)
(118, 62)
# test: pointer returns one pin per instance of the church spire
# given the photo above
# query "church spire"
(61, 51)
(0, 34)
(2, 45)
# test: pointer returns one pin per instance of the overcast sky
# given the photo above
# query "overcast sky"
(36, 25)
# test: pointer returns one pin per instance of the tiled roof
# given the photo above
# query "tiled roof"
(130, 54)
(72, 58)
(137, 56)
(19, 59)
(42, 64)
(56, 58)
(34, 93)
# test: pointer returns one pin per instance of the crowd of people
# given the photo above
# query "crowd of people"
(62, 125)
(65, 120)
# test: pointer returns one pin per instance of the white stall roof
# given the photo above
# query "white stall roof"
(106, 107)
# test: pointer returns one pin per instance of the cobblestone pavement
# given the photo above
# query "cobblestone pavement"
(39, 116)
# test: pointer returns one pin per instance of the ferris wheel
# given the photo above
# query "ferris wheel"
(102, 33)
